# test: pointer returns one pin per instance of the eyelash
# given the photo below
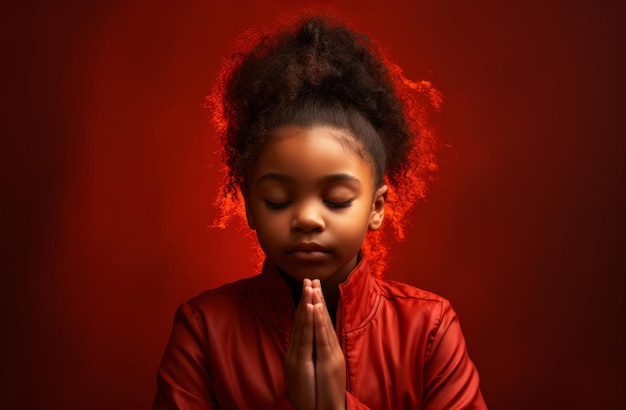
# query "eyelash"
(333, 205)
(275, 206)
(339, 205)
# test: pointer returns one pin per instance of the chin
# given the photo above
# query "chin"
(309, 272)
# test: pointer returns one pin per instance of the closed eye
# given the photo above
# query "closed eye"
(276, 205)
(335, 205)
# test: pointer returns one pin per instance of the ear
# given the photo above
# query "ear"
(378, 208)
(246, 200)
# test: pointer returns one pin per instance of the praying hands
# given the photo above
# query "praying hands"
(315, 369)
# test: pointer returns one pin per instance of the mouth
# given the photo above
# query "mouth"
(308, 247)
(309, 252)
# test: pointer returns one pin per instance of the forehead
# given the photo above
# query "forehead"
(317, 151)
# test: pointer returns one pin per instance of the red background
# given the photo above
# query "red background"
(110, 172)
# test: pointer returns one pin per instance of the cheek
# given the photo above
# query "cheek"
(353, 227)
(268, 241)
(270, 226)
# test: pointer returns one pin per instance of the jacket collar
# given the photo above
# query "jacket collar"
(358, 297)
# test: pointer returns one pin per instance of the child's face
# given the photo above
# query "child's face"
(311, 200)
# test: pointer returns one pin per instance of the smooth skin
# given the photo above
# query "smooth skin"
(311, 199)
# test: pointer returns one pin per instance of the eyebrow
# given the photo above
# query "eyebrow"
(329, 179)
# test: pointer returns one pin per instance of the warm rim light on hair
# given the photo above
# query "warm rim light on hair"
(419, 100)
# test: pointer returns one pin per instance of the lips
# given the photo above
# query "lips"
(308, 247)
(309, 252)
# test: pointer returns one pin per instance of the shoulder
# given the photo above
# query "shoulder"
(417, 301)
(397, 290)
(264, 297)
(227, 295)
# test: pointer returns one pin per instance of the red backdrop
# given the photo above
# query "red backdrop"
(111, 172)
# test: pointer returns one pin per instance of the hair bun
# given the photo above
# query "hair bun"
(310, 32)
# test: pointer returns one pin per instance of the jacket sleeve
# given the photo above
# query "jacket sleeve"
(183, 379)
(450, 378)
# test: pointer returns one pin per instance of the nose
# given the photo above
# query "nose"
(308, 218)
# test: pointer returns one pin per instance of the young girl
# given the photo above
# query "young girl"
(321, 139)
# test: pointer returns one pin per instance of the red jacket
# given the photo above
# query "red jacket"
(403, 347)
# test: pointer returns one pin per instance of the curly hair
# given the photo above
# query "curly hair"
(319, 72)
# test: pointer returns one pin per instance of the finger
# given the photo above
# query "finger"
(300, 318)
(299, 368)
(306, 283)
(318, 295)
(305, 299)
(316, 284)
(305, 341)
(324, 323)
(325, 339)
(330, 370)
